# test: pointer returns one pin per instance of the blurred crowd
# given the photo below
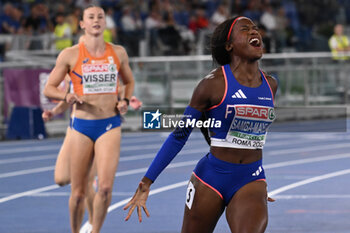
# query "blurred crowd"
(176, 27)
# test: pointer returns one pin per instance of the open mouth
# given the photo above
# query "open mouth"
(255, 42)
(96, 27)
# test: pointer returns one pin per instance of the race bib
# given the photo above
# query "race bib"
(99, 78)
(249, 126)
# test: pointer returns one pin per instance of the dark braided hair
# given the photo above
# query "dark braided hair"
(218, 42)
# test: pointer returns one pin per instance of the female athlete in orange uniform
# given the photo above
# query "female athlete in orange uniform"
(94, 67)
(62, 167)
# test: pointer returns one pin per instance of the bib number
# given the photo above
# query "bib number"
(190, 195)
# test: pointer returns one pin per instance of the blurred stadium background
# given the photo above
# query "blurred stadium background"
(167, 41)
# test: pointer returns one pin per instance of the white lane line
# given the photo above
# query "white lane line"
(309, 160)
(267, 152)
(142, 170)
(150, 155)
(15, 146)
(127, 147)
(26, 172)
(307, 149)
(128, 194)
(268, 166)
(28, 193)
(204, 149)
(50, 168)
(54, 156)
(192, 151)
(28, 149)
(65, 194)
(123, 148)
(28, 159)
(152, 192)
(194, 141)
(300, 196)
(155, 146)
(308, 181)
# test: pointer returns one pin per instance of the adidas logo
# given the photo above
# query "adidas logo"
(257, 173)
(239, 94)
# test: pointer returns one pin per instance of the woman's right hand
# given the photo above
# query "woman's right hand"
(73, 98)
(138, 200)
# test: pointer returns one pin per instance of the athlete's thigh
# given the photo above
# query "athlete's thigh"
(203, 208)
(107, 150)
(247, 210)
(80, 158)
(62, 167)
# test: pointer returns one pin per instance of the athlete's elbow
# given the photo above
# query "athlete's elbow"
(46, 91)
(130, 83)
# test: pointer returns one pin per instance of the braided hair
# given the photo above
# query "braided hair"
(221, 36)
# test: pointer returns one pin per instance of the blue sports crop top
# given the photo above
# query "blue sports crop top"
(245, 114)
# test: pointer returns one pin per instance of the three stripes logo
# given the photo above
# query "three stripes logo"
(239, 95)
(257, 173)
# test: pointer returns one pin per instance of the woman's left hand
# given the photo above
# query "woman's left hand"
(122, 107)
(135, 103)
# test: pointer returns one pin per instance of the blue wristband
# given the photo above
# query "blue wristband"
(172, 146)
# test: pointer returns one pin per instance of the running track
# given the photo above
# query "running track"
(308, 174)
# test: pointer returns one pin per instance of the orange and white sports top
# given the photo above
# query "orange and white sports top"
(92, 75)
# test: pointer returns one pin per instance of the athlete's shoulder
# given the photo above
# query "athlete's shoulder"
(211, 80)
(209, 90)
(120, 50)
(213, 76)
(71, 50)
(272, 82)
(69, 53)
(116, 46)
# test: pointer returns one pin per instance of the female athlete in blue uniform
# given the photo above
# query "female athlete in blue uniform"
(231, 175)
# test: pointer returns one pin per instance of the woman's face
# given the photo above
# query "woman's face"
(246, 40)
(94, 20)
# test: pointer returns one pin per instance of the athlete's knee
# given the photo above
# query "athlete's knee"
(257, 226)
(78, 197)
(260, 224)
(104, 191)
(61, 180)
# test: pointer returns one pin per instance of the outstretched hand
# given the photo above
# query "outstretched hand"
(138, 200)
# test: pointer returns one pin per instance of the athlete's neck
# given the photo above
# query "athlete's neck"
(246, 73)
(95, 45)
